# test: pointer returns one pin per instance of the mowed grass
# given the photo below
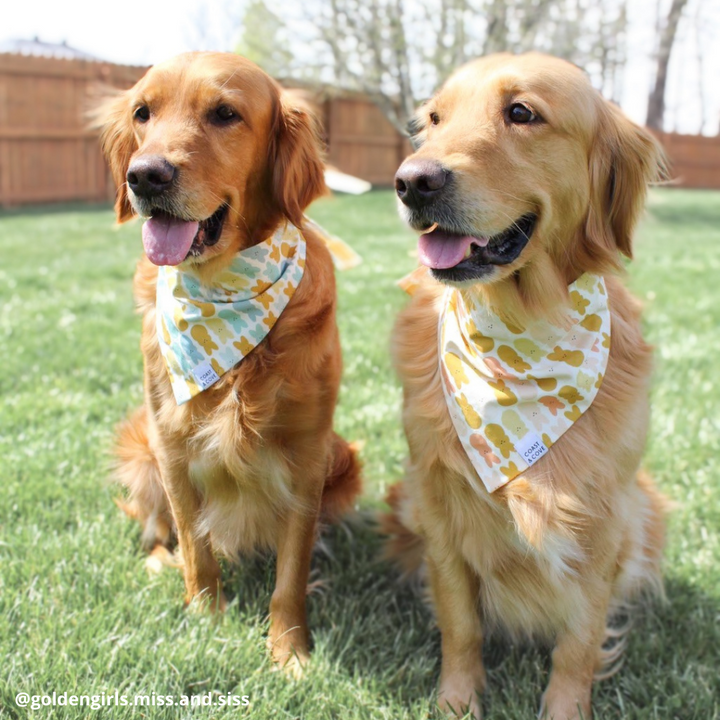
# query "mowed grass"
(78, 612)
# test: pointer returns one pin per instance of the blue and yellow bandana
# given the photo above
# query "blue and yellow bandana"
(205, 331)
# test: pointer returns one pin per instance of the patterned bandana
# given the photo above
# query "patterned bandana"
(511, 393)
(205, 331)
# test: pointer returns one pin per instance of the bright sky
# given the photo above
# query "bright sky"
(143, 32)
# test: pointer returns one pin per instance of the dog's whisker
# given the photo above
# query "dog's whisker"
(232, 209)
(232, 75)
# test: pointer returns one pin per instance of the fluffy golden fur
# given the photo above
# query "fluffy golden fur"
(252, 462)
(556, 550)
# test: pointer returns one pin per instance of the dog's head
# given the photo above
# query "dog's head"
(213, 153)
(524, 176)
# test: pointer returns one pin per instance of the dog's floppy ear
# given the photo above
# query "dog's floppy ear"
(112, 118)
(624, 160)
(298, 175)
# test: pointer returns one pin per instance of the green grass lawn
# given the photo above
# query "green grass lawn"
(78, 613)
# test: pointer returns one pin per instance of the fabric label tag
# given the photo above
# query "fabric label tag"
(532, 448)
(205, 376)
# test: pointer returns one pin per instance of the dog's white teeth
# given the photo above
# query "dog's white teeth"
(468, 252)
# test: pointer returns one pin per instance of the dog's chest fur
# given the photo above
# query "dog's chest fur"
(241, 510)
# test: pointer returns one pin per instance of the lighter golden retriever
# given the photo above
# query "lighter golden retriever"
(209, 141)
(524, 180)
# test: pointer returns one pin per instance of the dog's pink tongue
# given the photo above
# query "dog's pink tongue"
(168, 240)
(442, 250)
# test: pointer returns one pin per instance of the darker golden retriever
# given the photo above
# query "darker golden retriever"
(218, 159)
(525, 184)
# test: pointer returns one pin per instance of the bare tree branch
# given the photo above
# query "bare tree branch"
(656, 101)
(398, 52)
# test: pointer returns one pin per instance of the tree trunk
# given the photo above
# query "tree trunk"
(656, 101)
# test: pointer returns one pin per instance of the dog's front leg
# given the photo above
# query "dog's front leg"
(574, 662)
(289, 636)
(200, 567)
(455, 594)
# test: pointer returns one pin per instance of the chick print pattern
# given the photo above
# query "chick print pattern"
(205, 331)
(512, 393)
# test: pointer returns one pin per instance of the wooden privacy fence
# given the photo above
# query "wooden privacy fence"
(361, 141)
(48, 155)
(694, 159)
(46, 152)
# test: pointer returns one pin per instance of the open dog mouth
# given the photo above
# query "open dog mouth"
(168, 240)
(456, 258)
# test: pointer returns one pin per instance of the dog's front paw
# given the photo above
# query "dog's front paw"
(207, 602)
(289, 650)
(459, 696)
(294, 666)
(564, 706)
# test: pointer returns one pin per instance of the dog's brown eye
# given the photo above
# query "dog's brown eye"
(434, 118)
(519, 113)
(225, 114)
(142, 113)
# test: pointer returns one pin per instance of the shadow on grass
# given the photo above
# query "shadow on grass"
(368, 626)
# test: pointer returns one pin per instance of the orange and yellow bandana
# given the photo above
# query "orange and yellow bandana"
(511, 392)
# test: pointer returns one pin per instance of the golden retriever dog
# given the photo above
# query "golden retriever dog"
(524, 181)
(216, 157)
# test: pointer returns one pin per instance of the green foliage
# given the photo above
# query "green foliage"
(263, 39)
(78, 613)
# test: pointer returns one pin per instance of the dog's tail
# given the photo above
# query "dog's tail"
(136, 468)
(403, 547)
(344, 482)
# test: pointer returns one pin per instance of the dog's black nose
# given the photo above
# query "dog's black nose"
(150, 175)
(419, 181)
